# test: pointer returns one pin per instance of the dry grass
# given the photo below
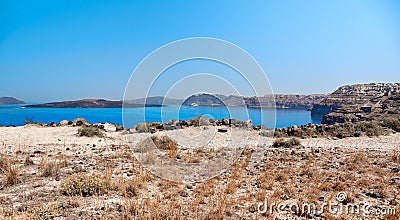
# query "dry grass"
(112, 184)
(11, 172)
(80, 184)
(167, 144)
(48, 168)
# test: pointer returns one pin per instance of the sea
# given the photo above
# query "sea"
(17, 115)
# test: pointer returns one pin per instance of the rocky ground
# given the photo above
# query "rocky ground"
(52, 172)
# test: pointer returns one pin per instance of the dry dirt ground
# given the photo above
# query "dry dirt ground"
(51, 172)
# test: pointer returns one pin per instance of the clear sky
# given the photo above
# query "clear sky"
(64, 50)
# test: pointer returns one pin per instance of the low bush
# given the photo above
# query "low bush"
(370, 128)
(81, 184)
(141, 127)
(392, 123)
(286, 143)
(45, 212)
(11, 173)
(90, 132)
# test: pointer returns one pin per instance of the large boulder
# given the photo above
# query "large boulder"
(225, 121)
(64, 123)
(80, 122)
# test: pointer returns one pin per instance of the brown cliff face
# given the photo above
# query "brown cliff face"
(282, 101)
(352, 103)
(268, 101)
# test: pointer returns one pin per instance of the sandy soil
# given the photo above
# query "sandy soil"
(366, 169)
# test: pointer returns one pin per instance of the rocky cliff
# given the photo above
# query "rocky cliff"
(10, 101)
(268, 101)
(374, 101)
(282, 101)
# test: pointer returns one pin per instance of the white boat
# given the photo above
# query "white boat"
(194, 104)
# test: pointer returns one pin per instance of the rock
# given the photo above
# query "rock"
(266, 133)
(109, 127)
(257, 127)
(395, 169)
(223, 130)
(80, 122)
(361, 102)
(183, 123)
(224, 121)
(119, 128)
(64, 123)
(374, 195)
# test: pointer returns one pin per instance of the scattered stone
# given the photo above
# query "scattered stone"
(222, 130)
(374, 195)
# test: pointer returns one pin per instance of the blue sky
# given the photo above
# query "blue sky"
(63, 50)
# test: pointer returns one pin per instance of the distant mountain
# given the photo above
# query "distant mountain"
(205, 99)
(10, 101)
(156, 100)
(87, 103)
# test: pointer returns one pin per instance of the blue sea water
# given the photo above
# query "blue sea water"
(15, 115)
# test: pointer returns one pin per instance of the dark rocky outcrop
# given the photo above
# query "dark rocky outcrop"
(155, 100)
(214, 100)
(360, 102)
(10, 101)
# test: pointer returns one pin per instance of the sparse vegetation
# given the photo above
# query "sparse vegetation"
(45, 212)
(102, 179)
(286, 143)
(48, 168)
(392, 123)
(10, 172)
(167, 144)
(90, 132)
(340, 130)
(81, 184)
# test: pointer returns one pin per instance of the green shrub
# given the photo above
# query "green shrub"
(80, 184)
(90, 132)
(392, 123)
(370, 128)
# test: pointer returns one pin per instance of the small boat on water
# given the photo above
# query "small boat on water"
(194, 104)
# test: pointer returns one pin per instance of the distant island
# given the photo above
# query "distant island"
(90, 103)
(10, 101)
(281, 101)
(350, 103)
